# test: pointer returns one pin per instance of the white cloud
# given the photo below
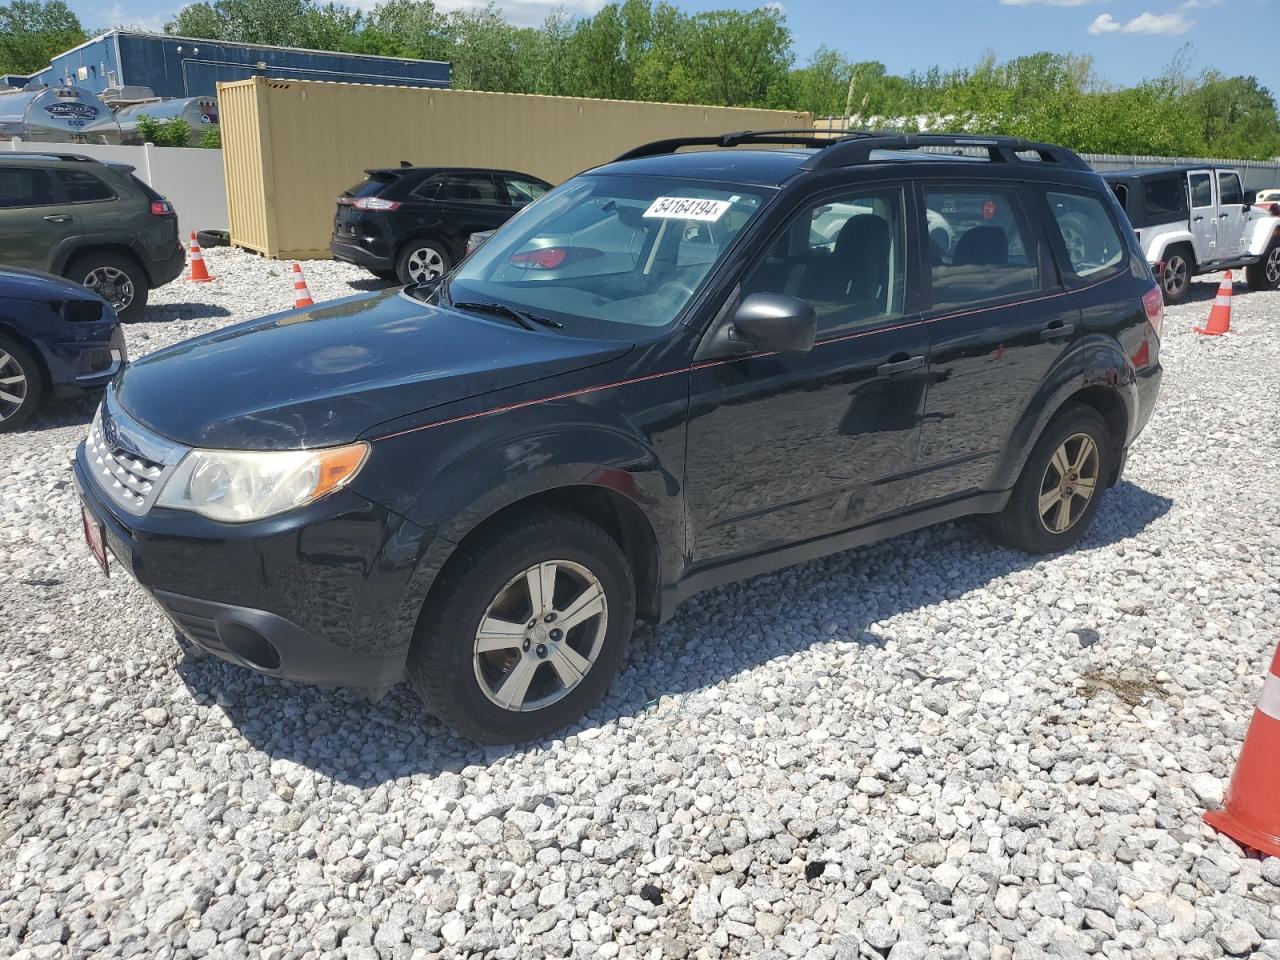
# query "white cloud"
(1159, 24)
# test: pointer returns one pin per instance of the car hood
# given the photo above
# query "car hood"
(325, 375)
(17, 283)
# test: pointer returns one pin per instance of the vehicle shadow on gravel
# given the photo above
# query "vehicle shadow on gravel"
(367, 284)
(342, 736)
(166, 312)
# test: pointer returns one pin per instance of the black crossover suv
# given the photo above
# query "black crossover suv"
(413, 223)
(672, 371)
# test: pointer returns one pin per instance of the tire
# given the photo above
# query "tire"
(1175, 281)
(420, 260)
(1021, 524)
(1265, 274)
(117, 279)
(488, 580)
(20, 378)
(213, 238)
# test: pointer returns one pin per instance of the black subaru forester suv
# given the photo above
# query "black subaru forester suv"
(674, 370)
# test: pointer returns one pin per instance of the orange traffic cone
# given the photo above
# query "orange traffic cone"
(1250, 811)
(1220, 315)
(199, 272)
(301, 295)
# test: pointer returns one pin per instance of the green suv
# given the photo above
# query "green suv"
(94, 223)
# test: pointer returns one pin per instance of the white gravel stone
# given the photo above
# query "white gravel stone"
(931, 747)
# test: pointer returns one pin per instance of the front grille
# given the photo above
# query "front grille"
(127, 461)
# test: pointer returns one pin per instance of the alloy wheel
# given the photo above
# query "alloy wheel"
(540, 636)
(13, 385)
(1175, 275)
(1273, 266)
(1075, 245)
(425, 264)
(1069, 483)
(112, 285)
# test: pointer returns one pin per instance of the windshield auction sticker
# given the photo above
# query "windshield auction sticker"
(687, 208)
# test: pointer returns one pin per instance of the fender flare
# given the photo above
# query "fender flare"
(1096, 361)
(1164, 241)
(1265, 232)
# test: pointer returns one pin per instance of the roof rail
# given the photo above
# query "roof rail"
(844, 148)
(76, 157)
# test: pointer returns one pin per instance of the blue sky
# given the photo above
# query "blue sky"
(1129, 39)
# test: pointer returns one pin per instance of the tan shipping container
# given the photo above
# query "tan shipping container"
(291, 146)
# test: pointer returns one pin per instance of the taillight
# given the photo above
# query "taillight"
(549, 258)
(374, 203)
(1153, 303)
(161, 208)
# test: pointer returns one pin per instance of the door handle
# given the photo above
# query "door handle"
(1057, 330)
(895, 366)
(58, 218)
(1197, 219)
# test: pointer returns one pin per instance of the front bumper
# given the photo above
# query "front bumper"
(86, 358)
(316, 595)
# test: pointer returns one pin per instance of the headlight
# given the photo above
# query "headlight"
(236, 486)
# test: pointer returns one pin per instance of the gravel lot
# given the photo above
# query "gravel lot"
(932, 747)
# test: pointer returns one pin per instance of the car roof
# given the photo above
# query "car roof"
(1142, 173)
(432, 171)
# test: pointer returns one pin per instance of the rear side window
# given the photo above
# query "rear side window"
(980, 245)
(1201, 190)
(470, 188)
(1229, 190)
(845, 256)
(24, 187)
(84, 187)
(1165, 197)
(1094, 247)
(369, 188)
(523, 192)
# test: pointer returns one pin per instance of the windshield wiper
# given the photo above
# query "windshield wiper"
(530, 321)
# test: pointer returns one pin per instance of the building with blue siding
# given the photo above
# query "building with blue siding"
(184, 67)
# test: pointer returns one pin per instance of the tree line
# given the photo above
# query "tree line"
(647, 50)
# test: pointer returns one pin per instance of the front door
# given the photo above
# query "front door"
(999, 319)
(1204, 215)
(33, 224)
(787, 447)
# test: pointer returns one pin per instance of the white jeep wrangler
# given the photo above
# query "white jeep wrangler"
(1196, 220)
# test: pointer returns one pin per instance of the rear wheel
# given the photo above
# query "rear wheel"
(525, 630)
(20, 384)
(116, 279)
(1175, 281)
(1061, 485)
(421, 260)
(1265, 274)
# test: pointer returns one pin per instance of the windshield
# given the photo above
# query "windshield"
(625, 250)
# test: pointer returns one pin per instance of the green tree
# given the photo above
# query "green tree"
(32, 32)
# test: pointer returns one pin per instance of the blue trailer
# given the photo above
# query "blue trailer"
(186, 67)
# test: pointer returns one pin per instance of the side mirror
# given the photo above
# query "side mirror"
(774, 322)
(1250, 197)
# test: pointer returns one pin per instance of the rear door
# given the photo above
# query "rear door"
(1204, 215)
(1231, 215)
(469, 202)
(999, 317)
(34, 222)
(522, 191)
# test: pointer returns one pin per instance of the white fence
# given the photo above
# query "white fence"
(191, 179)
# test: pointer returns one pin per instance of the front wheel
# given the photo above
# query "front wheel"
(1265, 274)
(525, 630)
(1061, 485)
(20, 384)
(1175, 281)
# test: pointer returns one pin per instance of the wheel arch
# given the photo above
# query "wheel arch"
(10, 330)
(94, 246)
(435, 236)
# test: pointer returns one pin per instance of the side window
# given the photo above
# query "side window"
(470, 188)
(24, 187)
(523, 192)
(1165, 196)
(846, 256)
(1229, 190)
(980, 244)
(1093, 243)
(428, 188)
(84, 187)
(1201, 190)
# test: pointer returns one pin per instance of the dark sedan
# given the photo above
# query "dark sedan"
(413, 223)
(56, 338)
